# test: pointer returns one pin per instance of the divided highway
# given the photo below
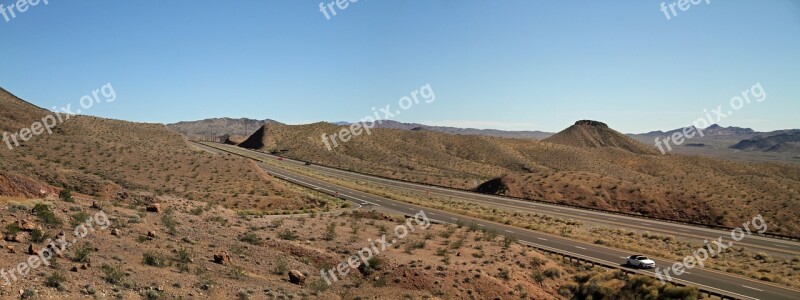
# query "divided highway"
(732, 285)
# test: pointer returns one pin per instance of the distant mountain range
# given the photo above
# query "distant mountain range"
(539, 135)
(787, 141)
(732, 142)
(219, 128)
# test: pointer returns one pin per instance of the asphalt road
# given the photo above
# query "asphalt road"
(733, 285)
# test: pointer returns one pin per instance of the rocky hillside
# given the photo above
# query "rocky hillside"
(587, 133)
(112, 160)
(598, 168)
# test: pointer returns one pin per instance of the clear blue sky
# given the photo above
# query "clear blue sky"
(518, 65)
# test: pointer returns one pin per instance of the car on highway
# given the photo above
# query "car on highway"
(640, 261)
(307, 163)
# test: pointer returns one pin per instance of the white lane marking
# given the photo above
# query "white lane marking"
(432, 214)
(582, 214)
(612, 219)
(308, 184)
(684, 230)
(393, 204)
(454, 218)
(509, 231)
(645, 224)
(579, 247)
(784, 246)
(542, 239)
(752, 288)
(481, 225)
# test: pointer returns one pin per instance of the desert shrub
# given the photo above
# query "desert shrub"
(12, 228)
(508, 240)
(66, 195)
(112, 275)
(552, 273)
(46, 215)
(182, 260)
(318, 286)
(170, 223)
(55, 280)
(288, 235)
(81, 253)
(330, 232)
(154, 259)
(79, 218)
(537, 262)
(281, 266)
(236, 272)
(373, 265)
(251, 238)
(39, 236)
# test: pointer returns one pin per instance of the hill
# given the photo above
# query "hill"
(725, 143)
(587, 133)
(111, 160)
(190, 247)
(783, 142)
(216, 128)
(610, 173)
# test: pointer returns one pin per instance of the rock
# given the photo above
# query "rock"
(27, 225)
(11, 249)
(151, 234)
(33, 249)
(74, 269)
(156, 208)
(116, 232)
(19, 237)
(95, 205)
(222, 257)
(297, 277)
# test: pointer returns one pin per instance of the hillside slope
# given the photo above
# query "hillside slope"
(111, 160)
(609, 174)
(587, 133)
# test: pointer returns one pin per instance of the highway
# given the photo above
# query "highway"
(729, 284)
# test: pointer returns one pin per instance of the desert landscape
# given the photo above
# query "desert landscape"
(587, 164)
(353, 150)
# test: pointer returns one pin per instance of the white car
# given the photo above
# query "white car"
(641, 261)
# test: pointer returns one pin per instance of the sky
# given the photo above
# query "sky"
(512, 65)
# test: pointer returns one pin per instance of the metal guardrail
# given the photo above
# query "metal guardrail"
(718, 227)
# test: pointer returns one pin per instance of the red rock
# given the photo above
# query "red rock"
(297, 277)
(222, 257)
(156, 208)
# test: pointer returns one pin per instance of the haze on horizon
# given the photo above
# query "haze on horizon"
(518, 66)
